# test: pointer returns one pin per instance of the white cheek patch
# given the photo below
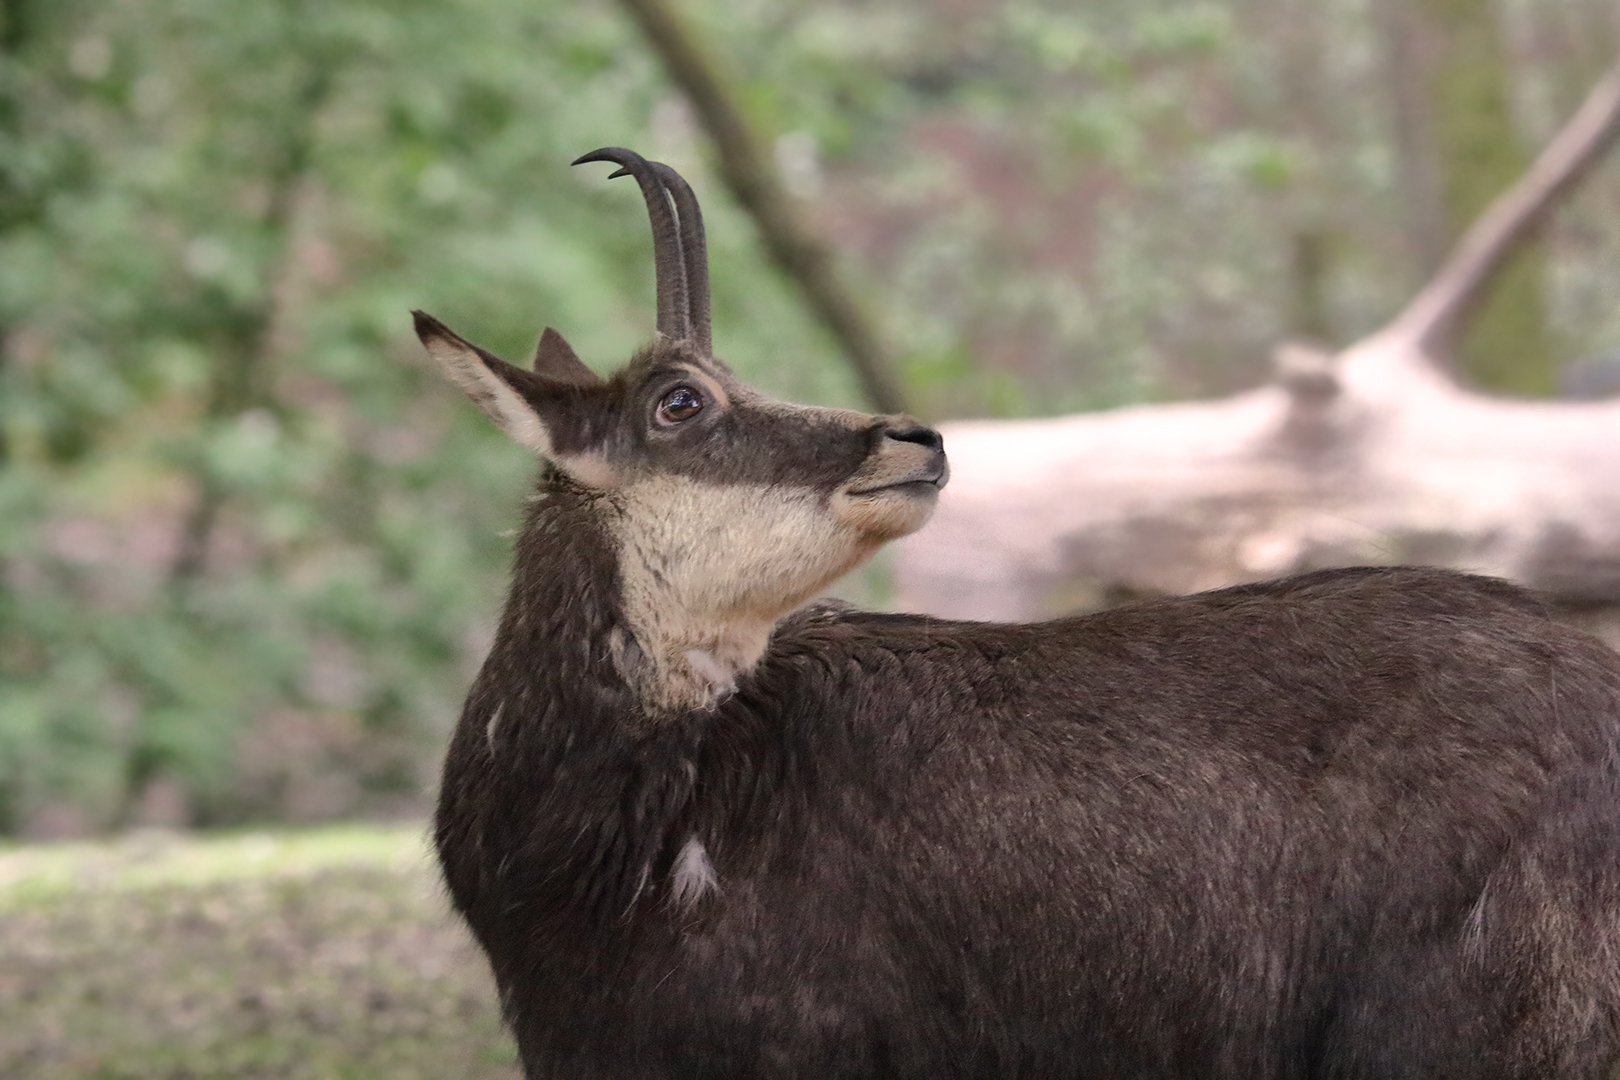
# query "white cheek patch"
(693, 876)
(489, 392)
(707, 570)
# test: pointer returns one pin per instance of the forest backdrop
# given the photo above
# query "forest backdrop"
(251, 548)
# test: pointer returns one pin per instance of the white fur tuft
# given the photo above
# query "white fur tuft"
(493, 726)
(693, 875)
(721, 681)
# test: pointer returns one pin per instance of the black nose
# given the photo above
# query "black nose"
(920, 434)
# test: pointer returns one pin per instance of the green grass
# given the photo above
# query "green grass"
(321, 954)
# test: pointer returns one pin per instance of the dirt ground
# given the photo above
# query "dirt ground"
(326, 954)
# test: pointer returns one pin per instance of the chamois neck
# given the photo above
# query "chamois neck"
(562, 613)
(588, 598)
(693, 664)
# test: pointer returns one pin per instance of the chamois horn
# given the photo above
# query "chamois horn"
(674, 305)
(696, 251)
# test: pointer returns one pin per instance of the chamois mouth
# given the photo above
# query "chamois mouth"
(924, 482)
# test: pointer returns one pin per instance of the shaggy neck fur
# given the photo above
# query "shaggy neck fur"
(585, 733)
(621, 593)
(706, 571)
(694, 668)
(555, 753)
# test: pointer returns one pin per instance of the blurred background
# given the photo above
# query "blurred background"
(252, 548)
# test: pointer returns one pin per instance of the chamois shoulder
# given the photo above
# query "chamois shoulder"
(1434, 588)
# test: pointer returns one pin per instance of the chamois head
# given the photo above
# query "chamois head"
(725, 509)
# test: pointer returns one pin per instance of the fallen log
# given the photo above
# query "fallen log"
(1375, 455)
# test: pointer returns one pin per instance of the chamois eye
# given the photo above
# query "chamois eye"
(681, 403)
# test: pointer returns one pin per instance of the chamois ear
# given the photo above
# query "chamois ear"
(503, 391)
(555, 359)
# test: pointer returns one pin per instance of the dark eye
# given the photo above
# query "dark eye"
(681, 403)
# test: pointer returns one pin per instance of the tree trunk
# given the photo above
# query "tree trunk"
(745, 167)
(239, 379)
(19, 205)
(1460, 146)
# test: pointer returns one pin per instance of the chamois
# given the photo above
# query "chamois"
(1359, 823)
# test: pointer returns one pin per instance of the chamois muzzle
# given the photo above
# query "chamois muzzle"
(905, 471)
(911, 460)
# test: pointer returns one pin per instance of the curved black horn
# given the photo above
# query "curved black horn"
(673, 303)
(696, 252)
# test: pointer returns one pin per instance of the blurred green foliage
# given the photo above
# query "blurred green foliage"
(251, 547)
